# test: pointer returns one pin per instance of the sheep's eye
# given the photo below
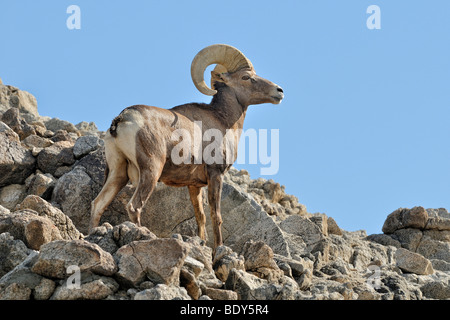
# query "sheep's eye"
(245, 77)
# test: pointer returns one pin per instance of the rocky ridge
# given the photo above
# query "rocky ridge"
(50, 171)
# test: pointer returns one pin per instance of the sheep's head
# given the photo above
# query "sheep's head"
(235, 71)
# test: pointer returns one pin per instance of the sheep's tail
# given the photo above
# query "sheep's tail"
(114, 123)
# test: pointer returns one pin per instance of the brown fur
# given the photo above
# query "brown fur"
(138, 146)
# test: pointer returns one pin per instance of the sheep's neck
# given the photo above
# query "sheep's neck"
(229, 109)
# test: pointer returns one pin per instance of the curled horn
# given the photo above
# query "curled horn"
(226, 57)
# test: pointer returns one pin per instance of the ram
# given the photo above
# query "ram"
(139, 144)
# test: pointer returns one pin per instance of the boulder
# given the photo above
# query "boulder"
(163, 292)
(13, 119)
(57, 155)
(333, 227)
(12, 97)
(66, 228)
(3, 210)
(16, 162)
(413, 262)
(41, 185)
(405, 218)
(87, 128)
(225, 260)
(303, 227)
(438, 223)
(434, 249)
(73, 193)
(55, 257)
(29, 227)
(92, 287)
(111, 238)
(189, 281)
(15, 291)
(159, 260)
(12, 253)
(40, 288)
(250, 287)
(220, 294)
(85, 145)
(35, 141)
(55, 124)
(436, 290)
(11, 195)
(259, 260)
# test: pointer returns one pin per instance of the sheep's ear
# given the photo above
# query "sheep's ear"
(217, 76)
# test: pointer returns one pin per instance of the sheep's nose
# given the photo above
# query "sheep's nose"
(279, 89)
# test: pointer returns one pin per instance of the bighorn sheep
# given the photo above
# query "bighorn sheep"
(139, 143)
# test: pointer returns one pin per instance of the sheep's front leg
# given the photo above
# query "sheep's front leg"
(215, 178)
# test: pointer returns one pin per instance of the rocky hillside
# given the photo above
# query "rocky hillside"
(50, 171)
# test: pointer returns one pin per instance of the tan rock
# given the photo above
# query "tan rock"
(413, 262)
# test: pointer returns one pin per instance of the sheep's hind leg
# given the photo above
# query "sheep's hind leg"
(117, 178)
(146, 185)
(196, 199)
(214, 197)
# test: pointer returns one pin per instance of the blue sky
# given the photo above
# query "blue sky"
(364, 125)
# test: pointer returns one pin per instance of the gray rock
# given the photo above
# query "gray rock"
(42, 185)
(225, 260)
(441, 212)
(259, 260)
(159, 260)
(29, 227)
(11, 195)
(163, 292)
(55, 124)
(384, 239)
(13, 119)
(57, 155)
(128, 232)
(408, 237)
(55, 257)
(438, 223)
(103, 237)
(41, 288)
(440, 265)
(250, 287)
(85, 145)
(436, 290)
(15, 291)
(86, 128)
(73, 193)
(12, 97)
(66, 228)
(93, 288)
(303, 227)
(3, 210)
(16, 162)
(12, 253)
(44, 290)
(111, 238)
(434, 249)
(220, 294)
(34, 140)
